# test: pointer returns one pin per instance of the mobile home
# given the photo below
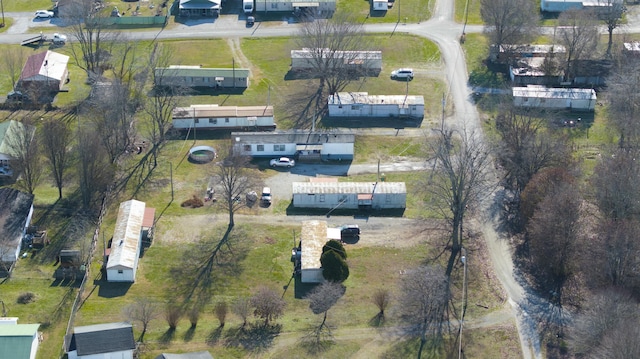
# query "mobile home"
(350, 195)
(362, 105)
(214, 117)
(541, 97)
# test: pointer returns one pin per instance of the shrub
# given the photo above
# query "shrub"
(172, 314)
(221, 309)
(193, 202)
(26, 298)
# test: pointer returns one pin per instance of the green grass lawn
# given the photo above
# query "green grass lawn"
(468, 10)
(410, 11)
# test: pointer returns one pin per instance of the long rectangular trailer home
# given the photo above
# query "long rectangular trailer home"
(540, 97)
(233, 118)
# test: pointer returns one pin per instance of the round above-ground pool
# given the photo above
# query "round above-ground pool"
(202, 154)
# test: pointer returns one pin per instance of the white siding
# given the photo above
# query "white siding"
(554, 98)
(125, 354)
(214, 117)
(361, 104)
(385, 195)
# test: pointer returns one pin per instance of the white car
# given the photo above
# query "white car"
(44, 14)
(282, 162)
(402, 74)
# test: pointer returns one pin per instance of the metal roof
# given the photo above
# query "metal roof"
(14, 212)
(102, 338)
(126, 237)
(195, 355)
(348, 187)
(47, 64)
(549, 93)
(313, 236)
(308, 53)
(197, 71)
(16, 340)
(297, 137)
(213, 111)
(12, 131)
(353, 98)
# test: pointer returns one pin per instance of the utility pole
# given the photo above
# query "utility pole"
(442, 121)
(2, 7)
(463, 259)
(171, 175)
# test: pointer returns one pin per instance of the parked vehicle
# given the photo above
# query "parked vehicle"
(282, 162)
(6, 172)
(250, 21)
(44, 14)
(247, 6)
(405, 74)
(350, 231)
(266, 196)
(17, 96)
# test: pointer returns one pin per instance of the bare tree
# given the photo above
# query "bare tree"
(526, 147)
(56, 140)
(95, 171)
(267, 304)
(608, 327)
(624, 103)
(611, 13)
(509, 22)
(321, 299)
(221, 309)
(381, 298)
(172, 314)
(613, 255)
(458, 180)
(234, 178)
(578, 32)
(24, 147)
(13, 59)
(541, 184)
(332, 45)
(161, 101)
(142, 310)
(194, 315)
(242, 308)
(88, 23)
(615, 182)
(422, 304)
(554, 239)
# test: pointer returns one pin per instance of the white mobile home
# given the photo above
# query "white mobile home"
(368, 61)
(350, 195)
(317, 8)
(197, 76)
(16, 211)
(361, 104)
(313, 236)
(541, 97)
(301, 144)
(127, 240)
(214, 117)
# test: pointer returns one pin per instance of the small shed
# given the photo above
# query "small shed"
(194, 355)
(197, 76)
(350, 195)
(18, 341)
(362, 105)
(361, 61)
(380, 5)
(125, 246)
(101, 341)
(575, 99)
(214, 117)
(70, 258)
(148, 223)
(302, 144)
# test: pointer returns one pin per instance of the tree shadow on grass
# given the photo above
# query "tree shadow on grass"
(188, 335)
(214, 336)
(377, 321)
(168, 336)
(254, 337)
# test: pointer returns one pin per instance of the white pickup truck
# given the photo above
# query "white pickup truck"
(59, 39)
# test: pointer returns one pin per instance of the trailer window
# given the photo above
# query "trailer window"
(213, 121)
(247, 148)
(260, 148)
(278, 148)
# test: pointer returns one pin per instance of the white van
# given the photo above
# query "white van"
(247, 6)
(266, 196)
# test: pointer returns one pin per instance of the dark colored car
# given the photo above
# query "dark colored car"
(250, 21)
(350, 231)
